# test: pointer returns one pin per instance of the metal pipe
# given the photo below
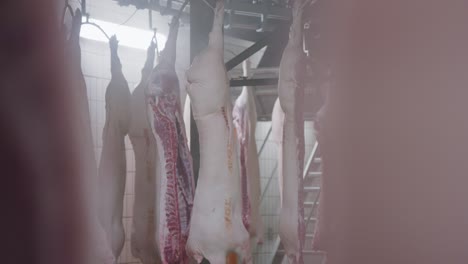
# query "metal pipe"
(150, 18)
(253, 82)
(83, 7)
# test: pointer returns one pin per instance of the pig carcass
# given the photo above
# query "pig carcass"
(143, 244)
(216, 227)
(277, 122)
(290, 92)
(175, 181)
(245, 120)
(97, 245)
(112, 166)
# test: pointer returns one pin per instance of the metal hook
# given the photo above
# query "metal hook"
(96, 25)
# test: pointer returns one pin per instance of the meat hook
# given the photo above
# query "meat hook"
(96, 25)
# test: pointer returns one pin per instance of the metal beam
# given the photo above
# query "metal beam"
(240, 8)
(249, 9)
(248, 52)
(267, 92)
(253, 82)
(278, 13)
(83, 7)
(245, 34)
(150, 19)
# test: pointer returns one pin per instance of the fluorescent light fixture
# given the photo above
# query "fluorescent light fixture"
(127, 36)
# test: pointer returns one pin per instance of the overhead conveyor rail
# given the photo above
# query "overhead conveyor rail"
(263, 10)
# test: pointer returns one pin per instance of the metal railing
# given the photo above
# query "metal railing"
(310, 160)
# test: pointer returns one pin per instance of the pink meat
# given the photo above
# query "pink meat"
(245, 120)
(291, 91)
(216, 227)
(112, 167)
(143, 244)
(176, 183)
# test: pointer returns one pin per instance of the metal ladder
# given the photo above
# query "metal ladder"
(312, 177)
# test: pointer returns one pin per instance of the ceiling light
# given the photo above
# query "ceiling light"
(127, 36)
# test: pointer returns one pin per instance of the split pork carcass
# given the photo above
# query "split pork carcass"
(216, 227)
(245, 120)
(97, 246)
(175, 183)
(143, 244)
(290, 92)
(277, 122)
(112, 165)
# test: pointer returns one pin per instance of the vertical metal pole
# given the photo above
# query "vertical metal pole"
(201, 20)
(150, 18)
(83, 7)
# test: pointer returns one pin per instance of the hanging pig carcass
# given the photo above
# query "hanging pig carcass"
(143, 244)
(97, 246)
(291, 92)
(175, 184)
(216, 227)
(245, 120)
(112, 166)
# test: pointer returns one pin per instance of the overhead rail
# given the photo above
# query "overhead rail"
(253, 82)
(242, 8)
